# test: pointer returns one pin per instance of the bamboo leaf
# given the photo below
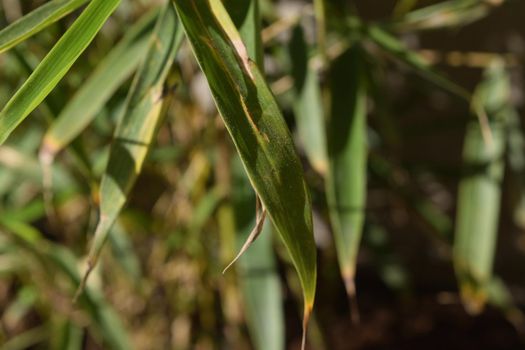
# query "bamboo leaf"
(55, 65)
(259, 133)
(450, 13)
(105, 320)
(418, 63)
(259, 281)
(35, 21)
(26, 339)
(122, 249)
(346, 180)
(26, 167)
(136, 130)
(109, 75)
(246, 19)
(479, 193)
(308, 105)
(516, 157)
(66, 335)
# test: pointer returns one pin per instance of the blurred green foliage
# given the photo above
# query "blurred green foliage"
(406, 117)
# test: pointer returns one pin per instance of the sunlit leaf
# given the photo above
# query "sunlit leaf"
(55, 65)
(35, 21)
(260, 135)
(258, 278)
(452, 13)
(137, 128)
(108, 76)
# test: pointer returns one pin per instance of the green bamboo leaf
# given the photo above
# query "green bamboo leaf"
(259, 133)
(35, 21)
(66, 335)
(122, 250)
(137, 128)
(418, 63)
(27, 339)
(109, 75)
(516, 157)
(450, 13)
(104, 319)
(246, 20)
(26, 167)
(55, 65)
(49, 109)
(346, 180)
(480, 192)
(23, 302)
(308, 105)
(257, 271)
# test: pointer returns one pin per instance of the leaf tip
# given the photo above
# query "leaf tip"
(352, 298)
(308, 307)
(473, 296)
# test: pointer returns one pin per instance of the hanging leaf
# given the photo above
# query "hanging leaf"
(137, 128)
(452, 13)
(479, 192)
(259, 133)
(256, 270)
(414, 60)
(308, 104)
(346, 180)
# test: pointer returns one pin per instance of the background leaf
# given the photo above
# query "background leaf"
(348, 151)
(109, 75)
(308, 105)
(55, 65)
(137, 128)
(480, 194)
(35, 21)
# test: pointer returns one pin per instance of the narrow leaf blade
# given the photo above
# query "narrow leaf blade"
(35, 21)
(257, 271)
(137, 128)
(479, 194)
(255, 123)
(110, 73)
(452, 13)
(346, 180)
(55, 65)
